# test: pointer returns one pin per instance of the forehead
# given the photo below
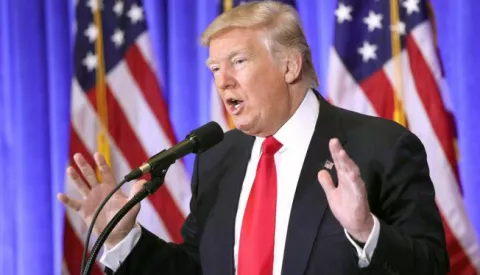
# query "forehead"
(234, 40)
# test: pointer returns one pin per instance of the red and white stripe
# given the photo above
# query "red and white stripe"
(428, 118)
(139, 127)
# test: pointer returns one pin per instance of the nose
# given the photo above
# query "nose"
(224, 80)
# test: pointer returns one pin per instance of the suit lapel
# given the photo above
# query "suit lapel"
(310, 202)
(226, 209)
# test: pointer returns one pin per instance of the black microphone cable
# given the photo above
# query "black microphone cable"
(148, 188)
(95, 216)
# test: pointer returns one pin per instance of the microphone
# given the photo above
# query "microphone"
(197, 141)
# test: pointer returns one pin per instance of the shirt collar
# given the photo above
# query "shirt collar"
(293, 133)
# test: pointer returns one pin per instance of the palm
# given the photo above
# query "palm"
(344, 202)
(94, 193)
(116, 202)
(348, 201)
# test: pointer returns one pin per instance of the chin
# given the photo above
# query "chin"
(251, 130)
(249, 125)
(244, 126)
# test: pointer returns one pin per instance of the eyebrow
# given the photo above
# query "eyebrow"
(209, 61)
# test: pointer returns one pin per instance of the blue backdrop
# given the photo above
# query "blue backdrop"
(35, 73)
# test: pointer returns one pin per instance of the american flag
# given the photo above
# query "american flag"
(117, 108)
(384, 62)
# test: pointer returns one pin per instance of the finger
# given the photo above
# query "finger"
(335, 148)
(69, 202)
(79, 183)
(326, 181)
(350, 167)
(86, 169)
(107, 174)
(137, 186)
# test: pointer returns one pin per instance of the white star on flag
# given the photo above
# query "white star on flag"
(399, 27)
(411, 6)
(118, 8)
(343, 13)
(90, 61)
(374, 21)
(118, 37)
(368, 51)
(91, 32)
(93, 5)
(135, 13)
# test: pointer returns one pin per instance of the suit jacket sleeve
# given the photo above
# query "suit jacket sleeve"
(152, 255)
(412, 238)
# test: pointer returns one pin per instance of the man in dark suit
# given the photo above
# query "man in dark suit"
(301, 187)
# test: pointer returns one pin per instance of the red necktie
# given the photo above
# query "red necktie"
(257, 237)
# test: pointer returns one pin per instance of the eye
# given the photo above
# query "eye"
(214, 69)
(239, 61)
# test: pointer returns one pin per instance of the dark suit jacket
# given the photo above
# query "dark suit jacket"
(393, 166)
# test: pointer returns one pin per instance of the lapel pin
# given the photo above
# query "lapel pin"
(328, 165)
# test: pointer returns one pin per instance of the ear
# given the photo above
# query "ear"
(293, 66)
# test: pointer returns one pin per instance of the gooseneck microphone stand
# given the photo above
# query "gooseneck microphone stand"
(149, 188)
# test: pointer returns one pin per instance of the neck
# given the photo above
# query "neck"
(297, 96)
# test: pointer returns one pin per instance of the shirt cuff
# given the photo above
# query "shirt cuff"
(365, 254)
(113, 258)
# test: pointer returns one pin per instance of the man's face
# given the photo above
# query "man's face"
(251, 83)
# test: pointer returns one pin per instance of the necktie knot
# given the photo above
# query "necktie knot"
(270, 145)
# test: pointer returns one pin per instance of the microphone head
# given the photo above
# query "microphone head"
(206, 136)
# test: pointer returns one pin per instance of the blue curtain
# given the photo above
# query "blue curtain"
(35, 73)
(459, 43)
(34, 90)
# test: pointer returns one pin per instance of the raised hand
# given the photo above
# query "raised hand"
(93, 193)
(348, 201)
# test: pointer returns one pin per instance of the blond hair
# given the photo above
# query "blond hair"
(282, 25)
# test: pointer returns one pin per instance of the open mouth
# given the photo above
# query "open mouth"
(234, 105)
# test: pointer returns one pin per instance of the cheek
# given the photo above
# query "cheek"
(262, 87)
(249, 78)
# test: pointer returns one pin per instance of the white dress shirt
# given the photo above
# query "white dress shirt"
(295, 136)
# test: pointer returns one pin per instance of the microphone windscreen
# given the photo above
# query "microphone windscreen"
(207, 136)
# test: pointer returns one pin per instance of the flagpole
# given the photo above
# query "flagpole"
(102, 109)
(101, 94)
(399, 112)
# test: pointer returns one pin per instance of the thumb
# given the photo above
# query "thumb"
(136, 187)
(326, 181)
